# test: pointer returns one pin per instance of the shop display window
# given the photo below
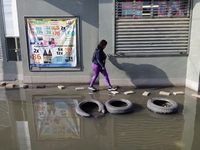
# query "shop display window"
(152, 8)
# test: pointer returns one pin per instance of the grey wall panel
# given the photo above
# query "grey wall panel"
(87, 10)
(193, 65)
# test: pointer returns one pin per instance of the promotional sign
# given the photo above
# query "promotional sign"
(138, 8)
(175, 7)
(56, 119)
(164, 7)
(52, 42)
(127, 8)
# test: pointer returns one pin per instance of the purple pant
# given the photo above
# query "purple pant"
(98, 69)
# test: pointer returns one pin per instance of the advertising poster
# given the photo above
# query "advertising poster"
(52, 42)
(127, 8)
(164, 6)
(56, 119)
(138, 8)
(175, 7)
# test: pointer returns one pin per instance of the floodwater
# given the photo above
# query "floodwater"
(45, 119)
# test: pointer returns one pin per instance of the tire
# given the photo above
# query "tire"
(157, 105)
(82, 113)
(119, 110)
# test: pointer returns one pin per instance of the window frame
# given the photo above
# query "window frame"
(16, 48)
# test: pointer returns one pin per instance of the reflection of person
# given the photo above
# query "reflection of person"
(100, 124)
(98, 65)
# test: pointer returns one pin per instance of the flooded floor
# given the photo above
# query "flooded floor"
(45, 119)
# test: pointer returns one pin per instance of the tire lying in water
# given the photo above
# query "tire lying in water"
(162, 105)
(119, 110)
(80, 111)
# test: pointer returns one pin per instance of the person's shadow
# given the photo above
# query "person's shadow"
(143, 74)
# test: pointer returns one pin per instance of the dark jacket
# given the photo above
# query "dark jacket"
(100, 58)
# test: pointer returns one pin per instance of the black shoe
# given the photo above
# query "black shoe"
(92, 88)
(112, 89)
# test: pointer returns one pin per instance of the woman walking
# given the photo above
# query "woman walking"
(98, 65)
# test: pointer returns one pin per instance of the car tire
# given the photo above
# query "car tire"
(119, 110)
(162, 105)
(80, 111)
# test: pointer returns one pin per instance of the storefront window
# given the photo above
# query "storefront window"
(152, 8)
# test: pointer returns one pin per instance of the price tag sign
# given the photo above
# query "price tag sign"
(52, 42)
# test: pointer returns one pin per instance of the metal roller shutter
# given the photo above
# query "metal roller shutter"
(151, 34)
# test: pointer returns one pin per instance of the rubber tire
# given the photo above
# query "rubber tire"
(119, 110)
(162, 110)
(80, 112)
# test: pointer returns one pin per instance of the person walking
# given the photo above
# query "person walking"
(98, 65)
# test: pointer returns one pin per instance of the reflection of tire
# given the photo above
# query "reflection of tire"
(83, 113)
(162, 105)
(119, 110)
(161, 116)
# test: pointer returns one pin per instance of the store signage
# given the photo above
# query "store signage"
(165, 6)
(128, 8)
(52, 42)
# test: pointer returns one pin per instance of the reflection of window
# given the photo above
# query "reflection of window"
(152, 8)
(23, 135)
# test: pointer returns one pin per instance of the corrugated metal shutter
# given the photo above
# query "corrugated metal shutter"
(150, 35)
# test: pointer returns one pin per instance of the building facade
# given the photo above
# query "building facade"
(150, 43)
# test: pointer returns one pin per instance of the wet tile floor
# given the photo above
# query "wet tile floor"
(45, 119)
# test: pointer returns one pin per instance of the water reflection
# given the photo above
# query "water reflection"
(148, 131)
(46, 119)
(56, 119)
(100, 123)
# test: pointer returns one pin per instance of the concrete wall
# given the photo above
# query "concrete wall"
(97, 22)
(138, 71)
(87, 10)
(193, 65)
(8, 70)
